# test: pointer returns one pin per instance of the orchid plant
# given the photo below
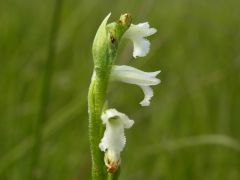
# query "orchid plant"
(106, 126)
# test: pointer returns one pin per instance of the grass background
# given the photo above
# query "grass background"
(191, 131)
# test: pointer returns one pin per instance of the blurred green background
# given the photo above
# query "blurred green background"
(191, 131)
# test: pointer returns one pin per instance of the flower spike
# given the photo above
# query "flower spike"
(137, 34)
(104, 49)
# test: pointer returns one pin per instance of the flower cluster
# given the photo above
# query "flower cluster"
(114, 140)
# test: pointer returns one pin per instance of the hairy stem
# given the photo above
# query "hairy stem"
(96, 98)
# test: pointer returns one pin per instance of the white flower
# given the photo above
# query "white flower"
(114, 140)
(143, 79)
(137, 34)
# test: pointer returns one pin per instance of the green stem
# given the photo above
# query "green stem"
(96, 102)
(114, 176)
(42, 114)
(96, 99)
(110, 176)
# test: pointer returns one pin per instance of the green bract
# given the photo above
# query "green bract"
(106, 41)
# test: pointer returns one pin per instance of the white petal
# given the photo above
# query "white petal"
(141, 47)
(148, 92)
(143, 79)
(132, 75)
(146, 30)
(113, 113)
(137, 34)
(141, 29)
(114, 139)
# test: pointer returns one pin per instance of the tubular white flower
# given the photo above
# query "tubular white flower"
(137, 34)
(114, 140)
(143, 79)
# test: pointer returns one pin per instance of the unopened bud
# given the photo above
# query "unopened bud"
(112, 161)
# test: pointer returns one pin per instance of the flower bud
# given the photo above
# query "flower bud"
(106, 42)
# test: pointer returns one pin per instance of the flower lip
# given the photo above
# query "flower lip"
(137, 34)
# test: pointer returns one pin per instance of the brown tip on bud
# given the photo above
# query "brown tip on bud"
(112, 161)
(125, 19)
(112, 168)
